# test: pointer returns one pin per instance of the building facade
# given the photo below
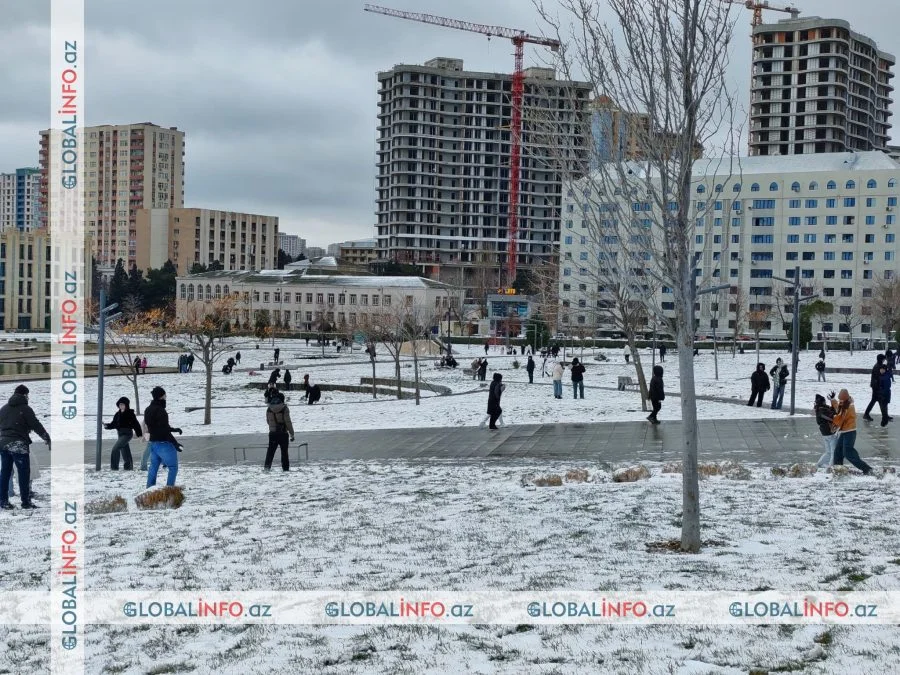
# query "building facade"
(313, 252)
(818, 87)
(443, 165)
(361, 252)
(834, 216)
(127, 168)
(20, 199)
(307, 302)
(238, 241)
(291, 244)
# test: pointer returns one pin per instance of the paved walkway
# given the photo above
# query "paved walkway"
(775, 441)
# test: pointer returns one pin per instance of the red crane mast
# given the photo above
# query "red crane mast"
(518, 38)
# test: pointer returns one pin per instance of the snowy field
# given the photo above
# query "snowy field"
(522, 403)
(473, 526)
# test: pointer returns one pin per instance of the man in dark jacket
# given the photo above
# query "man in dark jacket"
(884, 393)
(657, 393)
(163, 447)
(287, 379)
(779, 373)
(530, 368)
(662, 353)
(874, 385)
(825, 420)
(237, 358)
(126, 424)
(577, 371)
(278, 417)
(17, 421)
(314, 392)
(273, 378)
(494, 393)
(759, 385)
(820, 369)
(482, 370)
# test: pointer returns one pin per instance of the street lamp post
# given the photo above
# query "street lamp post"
(795, 329)
(101, 355)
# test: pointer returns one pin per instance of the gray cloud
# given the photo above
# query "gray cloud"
(277, 97)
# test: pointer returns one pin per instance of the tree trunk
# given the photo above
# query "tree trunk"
(137, 396)
(639, 371)
(374, 390)
(757, 347)
(397, 370)
(208, 362)
(416, 369)
(690, 488)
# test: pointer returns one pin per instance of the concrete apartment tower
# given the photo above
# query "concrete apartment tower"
(817, 87)
(443, 167)
(128, 167)
(20, 204)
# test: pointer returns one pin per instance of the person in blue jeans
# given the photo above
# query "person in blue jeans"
(577, 371)
(17, 421)
(161, 444)
(779, 375)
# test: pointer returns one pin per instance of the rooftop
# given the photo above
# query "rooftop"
(297, 278)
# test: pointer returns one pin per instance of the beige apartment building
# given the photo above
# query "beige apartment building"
(127, 167)
(239, 241)
(358, 252)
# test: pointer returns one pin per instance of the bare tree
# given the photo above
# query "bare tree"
(666, 59)
(886, 306)
(852, 316)
(758, 321)
(738, 308)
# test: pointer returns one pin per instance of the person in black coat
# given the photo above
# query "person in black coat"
(494, 394)
(237, 358)
(125, 422)
(273, 378)
(17, 421)
(577, 371)
(662, 352)
(657, 393)
(874, 385)
(759, 385)
(162, 446)
(530, 368)
(482, 370)
(287, 379)
(315, 393)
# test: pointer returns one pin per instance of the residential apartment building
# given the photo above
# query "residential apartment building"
(443, 166)
(833, 215)
(361, 252)
(239, 241)
(309, 301)
(127, 167)
(313, 252)
(20, 203)
(818, 87)
(291, 244)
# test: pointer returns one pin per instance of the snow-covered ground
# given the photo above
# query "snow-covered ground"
(522, 403)
(471, 525)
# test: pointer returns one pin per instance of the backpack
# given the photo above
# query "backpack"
(280, 426)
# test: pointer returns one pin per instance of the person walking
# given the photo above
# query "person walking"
(822, 353)
(577, 371)
(759, 385)
(874, 385)
(530, 368)
(482, 369)
(161, 443)
(557, 379)
(143, 365)
(494, 393)
(779, 375)
(305, 386)
(278, 417)
(627, 351)
(487, 345)
(137, 365)
(825, 419)
(820, 369)
(657, 393)
(287, 379)
(17, 421)
(662, 353)
(884, 393)
(845, 421)
(190, 363)
(890, 360)
(125, 422)
(277, 353)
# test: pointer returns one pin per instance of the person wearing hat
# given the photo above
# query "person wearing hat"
(825, 420)
(126, 424)
(278, 417)
(845, 422)
(17, 421)
(162, 446)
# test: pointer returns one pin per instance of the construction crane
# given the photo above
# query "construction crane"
(758, 8)
(518, 38)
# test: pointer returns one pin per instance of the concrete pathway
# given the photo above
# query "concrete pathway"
(775, 441)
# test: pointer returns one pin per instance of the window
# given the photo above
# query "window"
(814, 185)
(889, 220)
(846, 274)
(754, 187)
(795, 186)
(768, 221)
(849, 220)
(851, 185)
(828, 255)
(830, 238)
(828, 274)
(807, 274)
(735, 239)
(812, 220)
(831, 185)
(566, 273)
(812, 203)
(718, 205)
(763, 203)
(762, 239)
(266, 296)
(849, 202)
(892, 201)
(583, 255)
(794, 204)
(699, 239)
(386, 301)
(831, 220)
(888, 255)
(717, 238)
(793, 239)
(701, 189)
(791, 255)
(870, 202)
(870, 220)
(889, 238)
(760, 274)
(846, 238)
(701, 206)
(872, 184)
(794, 220)
(830, 203)
(320, 298)
(568, 224)
(736, 205)
(809, 255)
(331, 298)
(809, 239)
(736, 187)
(773, 187)
(568, 241)
(735, 222)
(892, 182)
(847, 255)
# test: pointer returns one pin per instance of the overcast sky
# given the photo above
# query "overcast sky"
(277, 98)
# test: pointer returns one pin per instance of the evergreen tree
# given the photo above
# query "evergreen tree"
(160, 286)
(283, 259)
(118, 286)
(136, 283)
(97, 281)
(197, 268)
(215, 266)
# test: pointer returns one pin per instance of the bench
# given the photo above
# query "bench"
(625, 382)
(266, 447)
